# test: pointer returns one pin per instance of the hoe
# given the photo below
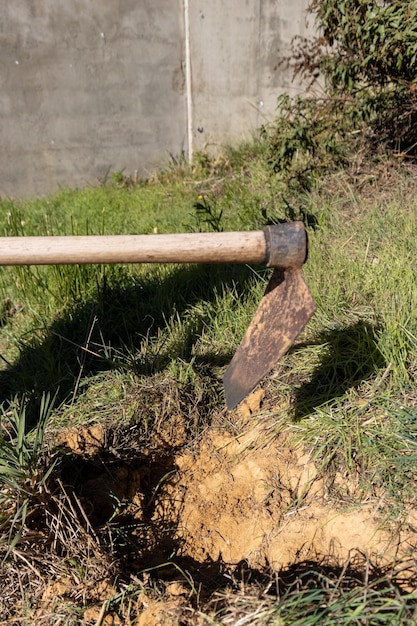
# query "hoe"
(283, 312)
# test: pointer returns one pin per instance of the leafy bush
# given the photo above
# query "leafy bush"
(366, 43)
(306, 138)
(366, 59)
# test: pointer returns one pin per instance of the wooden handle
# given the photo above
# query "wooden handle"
(283, 245)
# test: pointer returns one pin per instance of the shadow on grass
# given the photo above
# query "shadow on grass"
(350, 356)
(120, 329)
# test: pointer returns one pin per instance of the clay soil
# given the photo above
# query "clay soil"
(238, 508)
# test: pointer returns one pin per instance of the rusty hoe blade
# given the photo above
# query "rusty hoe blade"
(283, 312)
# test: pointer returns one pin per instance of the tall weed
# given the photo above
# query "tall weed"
(22, 477)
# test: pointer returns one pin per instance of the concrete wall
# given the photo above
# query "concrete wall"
(89, 87)
(236, 76)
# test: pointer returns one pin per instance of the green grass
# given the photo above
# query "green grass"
(134, 344)
(65, 324)
(361, 364)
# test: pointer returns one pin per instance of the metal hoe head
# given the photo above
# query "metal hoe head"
(283, 312)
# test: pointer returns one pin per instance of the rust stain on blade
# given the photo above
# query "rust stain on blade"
(283, 312)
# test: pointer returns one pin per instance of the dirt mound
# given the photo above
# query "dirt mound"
(240, 498)
(197, 514)
(268, 507)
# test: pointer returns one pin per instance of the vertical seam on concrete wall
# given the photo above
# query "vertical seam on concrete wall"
(188, 86)
(258, 62)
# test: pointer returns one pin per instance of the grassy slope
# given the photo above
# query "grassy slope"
(95, 333)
